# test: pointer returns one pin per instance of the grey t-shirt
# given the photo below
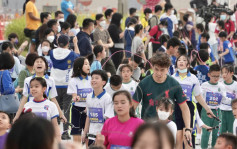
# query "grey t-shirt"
(101, 35)
(137, 45)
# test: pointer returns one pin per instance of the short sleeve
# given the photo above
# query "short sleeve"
(197, 88)
(53, 91)
(72, 89)
(26, 88)
(179, 94)
(109, 109)
(138, 95)
(21, 78)
(53, 111)
(29, 7)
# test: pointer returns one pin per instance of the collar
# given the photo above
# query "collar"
(188, 74)
(130, 28)
(212, 83)
(164, 47)
(45, 76)
(81, 78)
(229, 83)
(100, 95)
(40, 100)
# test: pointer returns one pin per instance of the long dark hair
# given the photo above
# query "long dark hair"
(77, 67)
(24, 6)
(116, 18)
(159, 129)
(42, 81)
(128, 95)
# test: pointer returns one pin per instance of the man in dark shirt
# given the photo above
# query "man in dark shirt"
(84, 40)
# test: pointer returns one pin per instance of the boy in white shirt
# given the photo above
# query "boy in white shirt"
(234, 110)
(126, 72)
(114, 85)
(99, 105)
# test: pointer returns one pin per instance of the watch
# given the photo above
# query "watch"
(188, 129)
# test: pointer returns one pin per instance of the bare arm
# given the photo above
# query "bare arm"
(56, 128)
(186, 118)
(224, 53)
(135, 104)
(33, 17)
(86, 130)
(70, 10)
(20, 109)
(76, 49)
(147, 41)
(202, 102)
(61, 115)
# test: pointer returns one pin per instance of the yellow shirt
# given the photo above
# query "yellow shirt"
(144, 23)
(31, 24)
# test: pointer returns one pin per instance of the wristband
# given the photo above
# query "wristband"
(187, 129)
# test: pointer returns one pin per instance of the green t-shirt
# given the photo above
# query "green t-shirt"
(23, 74)
(148, 91)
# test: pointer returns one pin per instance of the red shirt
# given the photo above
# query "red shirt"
(155, 32)
(229, 27)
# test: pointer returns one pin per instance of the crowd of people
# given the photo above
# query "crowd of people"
(161, 83)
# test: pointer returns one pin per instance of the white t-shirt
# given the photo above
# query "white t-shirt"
(231, 91)
(15, 71)
(212, 28)
(51, 91)
(98, 109)
(110, 91)
(46, 109)
(214, 94)
(235, 127)
(173, 128)
(189, 84)
(131, 86)
(82, 87)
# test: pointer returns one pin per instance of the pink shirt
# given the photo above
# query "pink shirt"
(119, 134)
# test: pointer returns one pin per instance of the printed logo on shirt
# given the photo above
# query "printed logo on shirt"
(213, 99)
(96, 115)
(187, 90)
(46, 107)
(41, 114)
(83, 93)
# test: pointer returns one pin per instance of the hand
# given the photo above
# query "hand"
(76, 99)
(63, 118)
(17, 89)
(210, 113)
(100, 139)
(188, 136)
(208, 128)
(83, 138)
(24, 44)
(75, 40)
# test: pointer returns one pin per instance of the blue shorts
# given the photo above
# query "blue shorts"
(179, 118)
(78, 119)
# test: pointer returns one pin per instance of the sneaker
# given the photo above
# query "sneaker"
(65, 136)
(198, 141)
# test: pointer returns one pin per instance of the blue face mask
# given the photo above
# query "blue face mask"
(223, 17)
(183, 71)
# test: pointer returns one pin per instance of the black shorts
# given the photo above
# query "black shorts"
(179, 118)
(78, 119)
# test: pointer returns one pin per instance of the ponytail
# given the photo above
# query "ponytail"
(24, 6)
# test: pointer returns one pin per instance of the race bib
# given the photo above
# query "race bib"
(187, 89)
(213, 99)
(119, 147)
(41, 114)
(83, 93)
(96, 115)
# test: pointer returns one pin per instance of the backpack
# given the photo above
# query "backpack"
(149, 22)
(170, 25)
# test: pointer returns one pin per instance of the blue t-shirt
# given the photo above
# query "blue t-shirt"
(202, 71)
(64, 6)
(6, 85)
(230, 56)
(96, 65)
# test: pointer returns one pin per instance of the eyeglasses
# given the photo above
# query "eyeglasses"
(215, 76)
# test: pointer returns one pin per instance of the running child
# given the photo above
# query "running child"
(40, 105)
(191, 87)
(231, 91)
(119, 130)
(214, 93)
(40, 66)
(98, 104)
(79, 87)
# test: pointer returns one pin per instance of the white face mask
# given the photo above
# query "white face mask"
(180, 27)
(103, 24)
(45, 49)
(162, 115)
(50, 38)
(150, 15)
(59, 29)
(77, 30)
(172, 12)
(190, 19)
(183, 71)
(61, 20)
